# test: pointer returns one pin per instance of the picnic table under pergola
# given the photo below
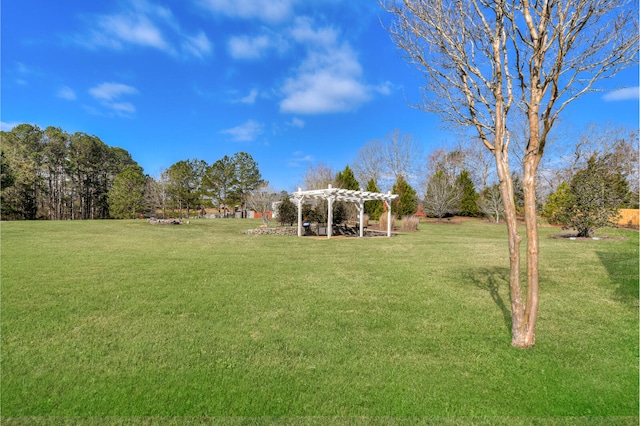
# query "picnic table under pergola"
(332, 195)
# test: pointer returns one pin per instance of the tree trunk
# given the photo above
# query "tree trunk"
(531, 310)
(518, 325)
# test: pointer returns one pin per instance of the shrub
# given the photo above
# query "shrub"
(287, 212)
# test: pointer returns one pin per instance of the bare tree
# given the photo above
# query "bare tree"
(318, 177)
(261, 200)
(401, 156)
(480, 163)
(450, 162)
(490, 202)
(481, 58)
(368, 163)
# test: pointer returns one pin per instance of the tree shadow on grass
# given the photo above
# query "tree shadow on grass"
(623, 273)
(492, 280)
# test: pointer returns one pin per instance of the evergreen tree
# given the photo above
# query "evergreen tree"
(407, 202)
(247, 175)
(287, 212)
(347, 180)
(182, 185)
(219, 183)
(6, 181)
(373, 208)
(442, 197)
(469, 201)
(23, 153)
(556, 202)
(127, 196)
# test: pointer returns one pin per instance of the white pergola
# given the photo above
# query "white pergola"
(338, 194)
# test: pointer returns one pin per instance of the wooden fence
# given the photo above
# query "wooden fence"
(629, 217)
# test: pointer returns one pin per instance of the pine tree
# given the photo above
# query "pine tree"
(407, 202)
(126, 197)
(373, 208)
(346, 179)
(442, 197)
(469, 202)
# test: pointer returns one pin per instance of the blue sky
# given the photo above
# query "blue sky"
(292, 82)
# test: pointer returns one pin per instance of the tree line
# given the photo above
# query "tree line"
(52, 174)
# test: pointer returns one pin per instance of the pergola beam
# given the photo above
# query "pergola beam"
(348, 195)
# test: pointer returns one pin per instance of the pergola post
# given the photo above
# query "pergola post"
(299, 199)
(329, 215)
(389, 216)
(361, 218)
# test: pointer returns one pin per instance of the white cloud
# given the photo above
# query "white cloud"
(326, 82)
(257, 47)
(330, 78)
(110, 91)
(296, 122)
(144, 25)
(264, 10)
(117, 30)
(250, 98)
(244, 47)
(300, 159)
(245, 132)
(384, 88)
(198, 45)
(303, 32)
(626, 94)
(109, 95)
(122, 108)
(67, 93)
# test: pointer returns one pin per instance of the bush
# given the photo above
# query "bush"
(287, 212)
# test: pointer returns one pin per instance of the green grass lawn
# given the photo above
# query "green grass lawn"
(122, 318)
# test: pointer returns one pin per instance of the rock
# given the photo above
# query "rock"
(165, 221)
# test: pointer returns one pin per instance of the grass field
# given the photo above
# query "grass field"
(102, 319)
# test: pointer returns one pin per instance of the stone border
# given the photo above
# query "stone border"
(293, 231)
(272, 231)
(166, 221)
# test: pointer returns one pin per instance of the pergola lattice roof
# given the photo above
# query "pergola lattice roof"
(339, 194)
